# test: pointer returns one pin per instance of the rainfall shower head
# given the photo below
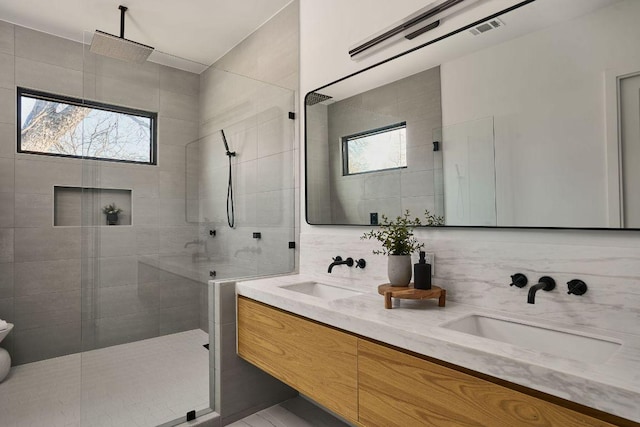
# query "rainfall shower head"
(118, 47)
(313, 98)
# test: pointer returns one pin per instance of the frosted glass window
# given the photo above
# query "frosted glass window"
(62, 126)
(375, 150)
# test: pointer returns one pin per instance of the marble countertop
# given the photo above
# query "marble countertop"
(612, 386)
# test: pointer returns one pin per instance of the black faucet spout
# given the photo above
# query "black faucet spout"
(339, 261)
(545, 283)
(531, 298)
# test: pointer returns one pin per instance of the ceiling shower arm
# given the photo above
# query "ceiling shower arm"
(123, 9)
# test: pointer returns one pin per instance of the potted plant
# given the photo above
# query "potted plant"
(398, 244)
(112, 213)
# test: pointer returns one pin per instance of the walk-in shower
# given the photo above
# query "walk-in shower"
(112, 316)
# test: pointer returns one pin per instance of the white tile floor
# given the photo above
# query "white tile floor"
(296, 412)
(276, 416)
(144, 383)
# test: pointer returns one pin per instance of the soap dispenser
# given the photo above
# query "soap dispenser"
(422, 273)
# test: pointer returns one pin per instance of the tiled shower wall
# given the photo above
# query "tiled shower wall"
(74, 288)
(414, 100)
(245, 93)
(249, 93)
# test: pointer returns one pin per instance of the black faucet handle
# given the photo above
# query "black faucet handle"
(361, 263)
(577, 287)
(337, 259)
(519, 280)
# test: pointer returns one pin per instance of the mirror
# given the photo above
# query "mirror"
(532, 123)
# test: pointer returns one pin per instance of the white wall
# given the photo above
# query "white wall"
(545, 92)
(473, 264)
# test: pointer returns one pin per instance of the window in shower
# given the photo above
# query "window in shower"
(375, 150)
(62, 126)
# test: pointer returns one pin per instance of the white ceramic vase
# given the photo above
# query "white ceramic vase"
(399, 270)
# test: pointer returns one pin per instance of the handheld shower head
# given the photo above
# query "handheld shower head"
(226, 145)
(224, 139)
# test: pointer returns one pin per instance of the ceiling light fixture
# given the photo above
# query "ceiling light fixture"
(412, 26)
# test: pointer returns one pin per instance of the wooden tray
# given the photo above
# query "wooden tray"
(409, 292)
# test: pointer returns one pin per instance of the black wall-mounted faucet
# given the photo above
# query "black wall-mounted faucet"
(339, 261)
(545, 283)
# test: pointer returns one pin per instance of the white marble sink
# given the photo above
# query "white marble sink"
(545, 339)
(322, 291)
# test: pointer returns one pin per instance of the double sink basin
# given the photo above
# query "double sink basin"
(537, 337)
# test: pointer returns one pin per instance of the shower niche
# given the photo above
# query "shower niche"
(76, 206)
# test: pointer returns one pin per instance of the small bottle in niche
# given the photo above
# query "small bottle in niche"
(422, 273)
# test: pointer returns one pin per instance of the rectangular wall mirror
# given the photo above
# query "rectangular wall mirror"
(528, 119)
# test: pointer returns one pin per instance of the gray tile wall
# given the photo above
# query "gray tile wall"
(248, 93)
(239, 388)
(70, 288)
(351, 198)
(271, 54)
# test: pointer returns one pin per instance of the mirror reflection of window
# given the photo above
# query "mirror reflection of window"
(375, 150)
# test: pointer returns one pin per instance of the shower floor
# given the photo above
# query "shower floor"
(144, 383)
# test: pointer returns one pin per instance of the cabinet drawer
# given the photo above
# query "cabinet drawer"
(398, 389)
(316, 360)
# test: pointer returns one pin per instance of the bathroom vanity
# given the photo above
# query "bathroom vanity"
(402, 367)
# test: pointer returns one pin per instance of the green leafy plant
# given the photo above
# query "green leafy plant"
(396, 235)
(111, 209)
(433, 220)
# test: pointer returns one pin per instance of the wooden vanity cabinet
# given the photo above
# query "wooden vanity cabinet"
(399, 389)
(314, 359)
(373, 384)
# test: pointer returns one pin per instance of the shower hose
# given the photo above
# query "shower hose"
(231, 218)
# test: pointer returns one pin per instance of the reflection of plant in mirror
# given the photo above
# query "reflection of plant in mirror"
(396, 235)
(433, 220)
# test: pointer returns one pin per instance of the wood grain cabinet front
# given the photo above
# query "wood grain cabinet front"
(316, 360)
(398, 389)
(372, 384)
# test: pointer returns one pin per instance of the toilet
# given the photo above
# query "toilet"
(5, 359)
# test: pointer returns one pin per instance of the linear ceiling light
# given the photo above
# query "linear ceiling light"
(412, 26)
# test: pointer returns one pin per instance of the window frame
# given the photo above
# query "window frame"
(345, 147)
(37, 94)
